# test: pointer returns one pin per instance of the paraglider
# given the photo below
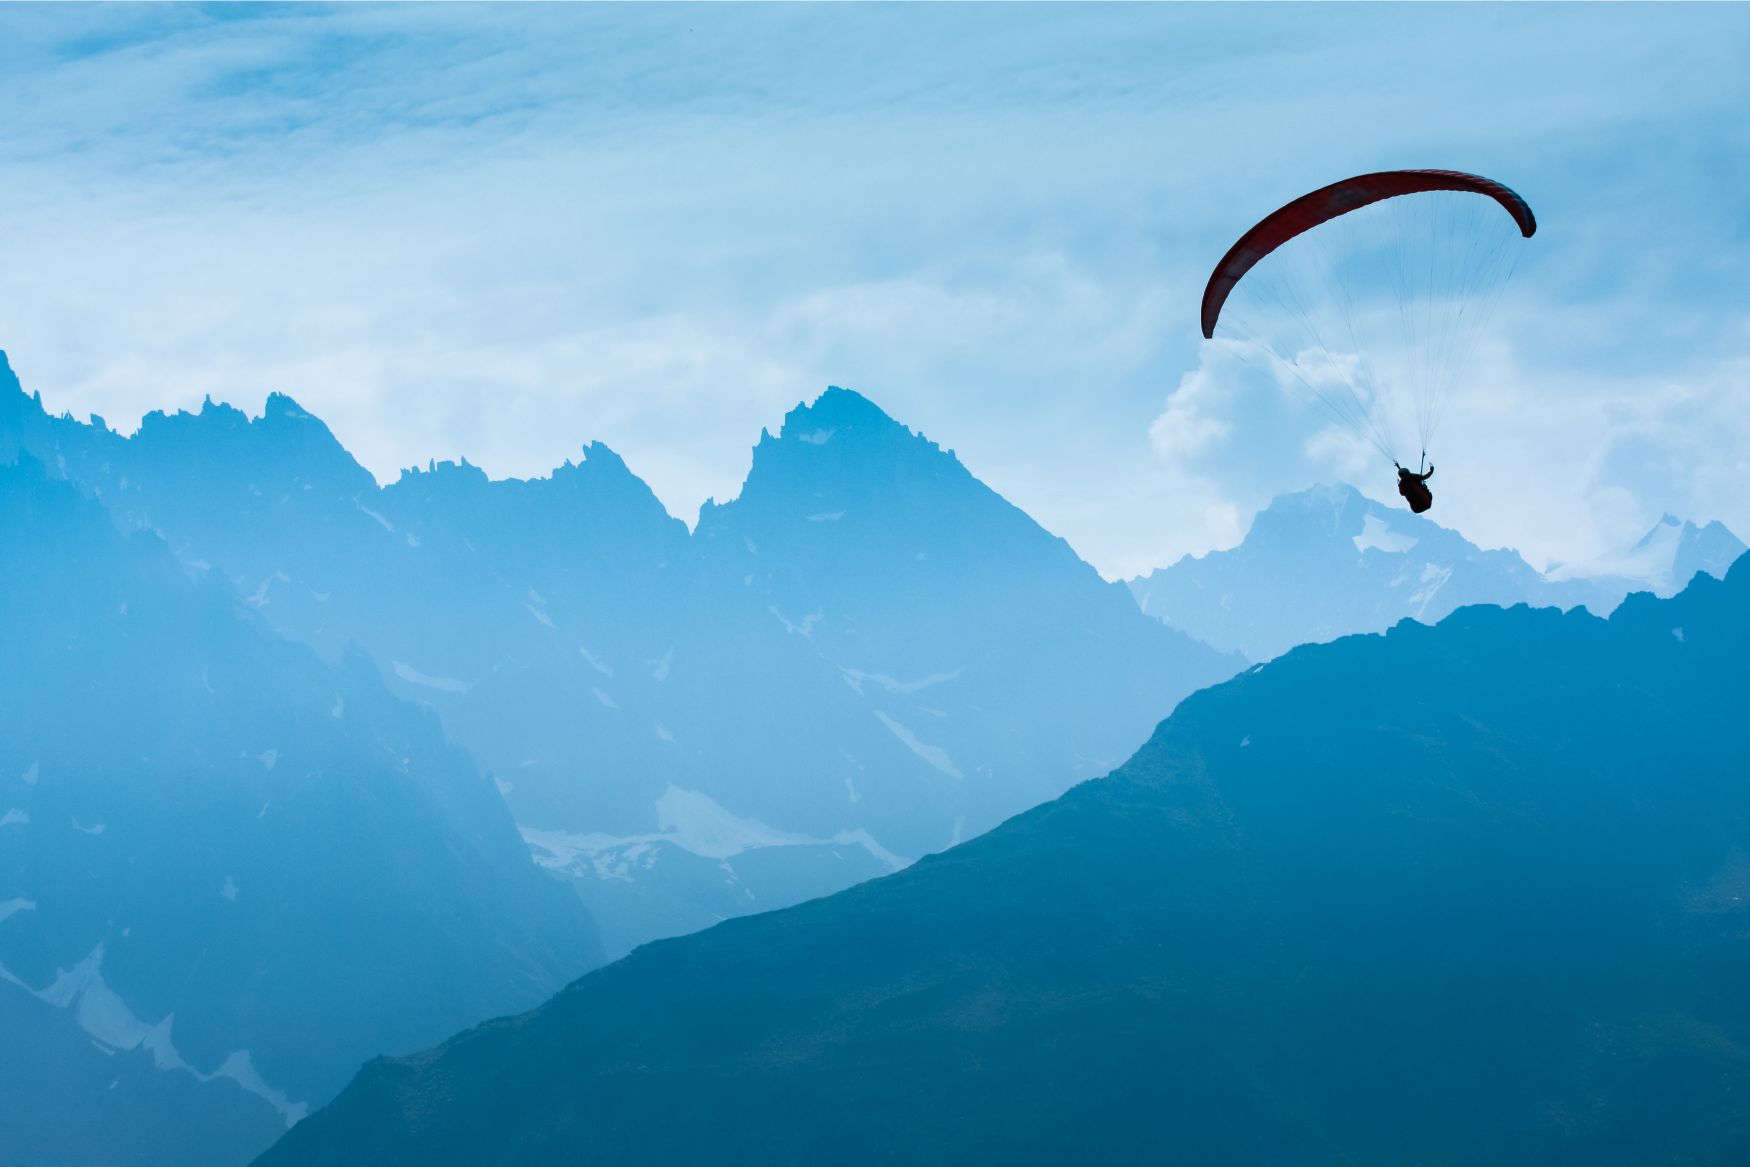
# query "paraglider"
(1414, 488)
(1372, 293)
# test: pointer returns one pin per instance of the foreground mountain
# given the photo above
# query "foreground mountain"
(1329, 562)
(229, 872)
(867, 656)
(1473, 893)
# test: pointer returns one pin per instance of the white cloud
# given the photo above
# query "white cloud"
(501, 233)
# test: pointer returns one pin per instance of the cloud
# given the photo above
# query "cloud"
(502, 232)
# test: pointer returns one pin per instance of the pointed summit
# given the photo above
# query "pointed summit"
(835, 409)
(843, 455)
(281, 407)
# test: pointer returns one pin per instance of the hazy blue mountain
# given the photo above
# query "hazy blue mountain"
(229, 871)
(865, 657)
(1473, 893)
(1328, 562)
(1663, 562)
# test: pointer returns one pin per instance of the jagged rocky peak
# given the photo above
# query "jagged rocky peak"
(281, 408)
(595, 498)
(843, 443)
(8, 378)
(461, 473)
(835, 409)
(286, 444)
(600, 467)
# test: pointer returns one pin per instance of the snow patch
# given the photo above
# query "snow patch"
(827, 517)
(1433, 579)
(806, 628)
(1678, 633)
(1375, 533)
(268, 757)
(414, 677)
(108, 1021)
(856, 677)
(817, 437)
(96, 830)
(30, 774)
(229, 890)
(15, 905)
(381, 521)
(935, 755)
(240, 1069)
(691, 821)
(14, 816)
(659, 668)
(607, 701)
(595, 662)
(540, 615)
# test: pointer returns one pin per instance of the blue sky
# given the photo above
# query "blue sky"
(501, 232)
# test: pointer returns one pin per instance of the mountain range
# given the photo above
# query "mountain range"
(1328, 561)
(229, 870)
(1469, 893)
(867, 656)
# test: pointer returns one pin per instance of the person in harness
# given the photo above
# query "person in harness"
(1414, 488)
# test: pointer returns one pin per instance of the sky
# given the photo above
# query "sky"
(501, 232)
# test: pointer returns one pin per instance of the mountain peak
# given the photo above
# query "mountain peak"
(599, 456)
(1325, 496)
(281, 407)
(1316, 513)
(834, 409)
(839, 447)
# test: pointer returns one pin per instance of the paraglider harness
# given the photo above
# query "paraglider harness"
(1414, 488)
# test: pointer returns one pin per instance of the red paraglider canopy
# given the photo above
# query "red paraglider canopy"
(1326, 203)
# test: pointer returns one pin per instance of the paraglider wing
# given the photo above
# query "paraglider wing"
(1340, 198)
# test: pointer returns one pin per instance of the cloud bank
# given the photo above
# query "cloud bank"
(502, 232)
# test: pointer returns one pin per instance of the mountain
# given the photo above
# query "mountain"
(865, 657)
(229, 871)
(1459, 894)
(1663, 562)
(1328, 562)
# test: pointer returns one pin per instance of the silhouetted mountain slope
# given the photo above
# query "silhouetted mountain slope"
(224, 864)
(1476, 893)
(1328, 562)
(867, 656)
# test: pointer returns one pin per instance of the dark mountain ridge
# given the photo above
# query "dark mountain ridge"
(1476, 892)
